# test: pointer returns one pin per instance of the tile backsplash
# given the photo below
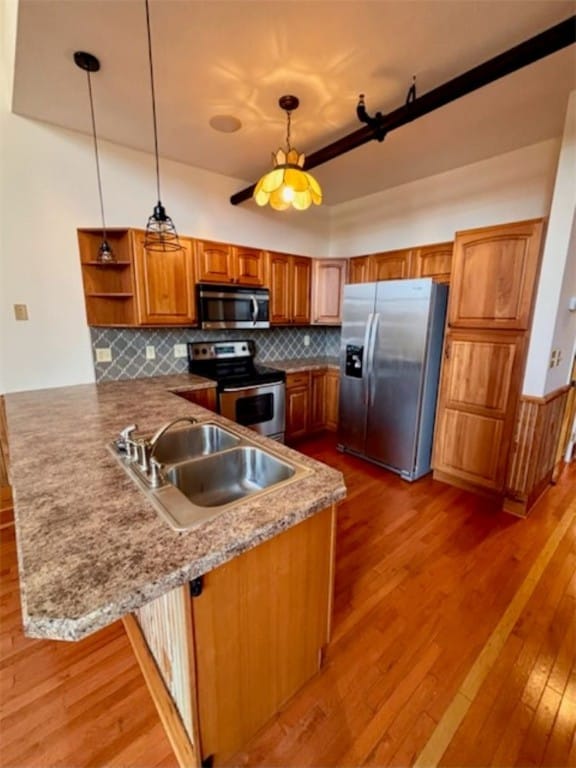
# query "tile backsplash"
(128, 347)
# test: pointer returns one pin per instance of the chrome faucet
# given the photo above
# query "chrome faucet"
(153, 442)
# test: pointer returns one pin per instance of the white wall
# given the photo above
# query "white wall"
(554, 327)
(48, 180)
(511, 187)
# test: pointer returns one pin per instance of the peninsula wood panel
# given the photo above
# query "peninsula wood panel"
(207, 398)
(165, 284)
(494, 275)
(480, 379)
(259, 627)
(533, 456)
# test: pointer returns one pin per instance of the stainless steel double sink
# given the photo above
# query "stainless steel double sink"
(208, 468)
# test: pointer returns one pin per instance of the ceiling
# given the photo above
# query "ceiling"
(237, 57)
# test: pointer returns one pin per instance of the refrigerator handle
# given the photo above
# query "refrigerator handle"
(370, 362)
(366, 369)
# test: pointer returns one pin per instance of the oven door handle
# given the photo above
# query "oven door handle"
(254, 309)
(250, 387)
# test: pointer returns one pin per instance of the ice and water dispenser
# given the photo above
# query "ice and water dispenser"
(354, 360)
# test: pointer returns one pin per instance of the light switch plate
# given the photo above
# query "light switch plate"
(21, 311)
(180, 350)
(103, 355)
(150, 353)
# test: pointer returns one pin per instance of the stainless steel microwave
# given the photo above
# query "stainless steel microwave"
(232, 306)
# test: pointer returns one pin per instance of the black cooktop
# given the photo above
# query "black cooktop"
(231, 364)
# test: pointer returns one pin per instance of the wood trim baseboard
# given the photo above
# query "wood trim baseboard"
(184, 751)
(545, 399)
(458, 482)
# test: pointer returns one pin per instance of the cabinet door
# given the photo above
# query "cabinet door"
(392, 265)
(481, 375)
(297, 411)
(280, 289)
(358, 270)
(204, 397)
(328, 278)
(494, 272)
(165, 284)
(332, 399)
(433, 261)
(249, 266)
(301, 284)
(317, 418)
(214, 262)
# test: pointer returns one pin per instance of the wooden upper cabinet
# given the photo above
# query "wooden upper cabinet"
(392, 265)
(280, 296)
(494, 274)
(433, 261)
(250, 266)
(301, 280)
(481, 376)
(225, 263)
(358, 269)
(165, 284)
(289, 280)
(328, 277)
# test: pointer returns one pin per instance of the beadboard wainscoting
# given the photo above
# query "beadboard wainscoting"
(128, 347)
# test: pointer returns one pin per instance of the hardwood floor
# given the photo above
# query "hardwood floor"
(428, 577)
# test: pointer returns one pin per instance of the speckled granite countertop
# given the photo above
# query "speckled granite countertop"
(297, 364)
(90, 546)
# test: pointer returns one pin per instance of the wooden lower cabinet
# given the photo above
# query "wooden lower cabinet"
(317, 420)
(207, 398)
(311, 402)
(332, 399)
(221, 664)
(480, 381)
(297, 405)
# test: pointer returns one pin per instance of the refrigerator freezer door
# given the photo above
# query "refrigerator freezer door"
(395, 379)
(357, 315)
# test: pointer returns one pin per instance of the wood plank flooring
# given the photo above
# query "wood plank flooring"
(425, 574)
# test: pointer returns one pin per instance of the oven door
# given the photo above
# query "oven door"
(261, 408)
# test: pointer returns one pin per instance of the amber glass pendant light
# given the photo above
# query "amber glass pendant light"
(288, 184)
(89, 64)
(161, 233)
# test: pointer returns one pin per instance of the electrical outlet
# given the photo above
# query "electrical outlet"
(103, 355)
(150, 353)
(306, 340)
(180, 350)
(20, 311)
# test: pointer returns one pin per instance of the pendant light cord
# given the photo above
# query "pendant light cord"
(96, 153)
(288, 118)
(153, 99)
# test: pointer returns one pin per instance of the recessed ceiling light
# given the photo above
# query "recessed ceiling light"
(225, 123)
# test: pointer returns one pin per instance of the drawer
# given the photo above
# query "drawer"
(300, 379)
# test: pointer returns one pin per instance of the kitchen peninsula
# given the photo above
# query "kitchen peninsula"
(92, 550)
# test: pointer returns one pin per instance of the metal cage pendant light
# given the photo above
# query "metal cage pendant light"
(161, 233)
(89, 64)
(288, 184)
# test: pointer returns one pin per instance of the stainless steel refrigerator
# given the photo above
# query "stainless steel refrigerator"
(390, 358)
